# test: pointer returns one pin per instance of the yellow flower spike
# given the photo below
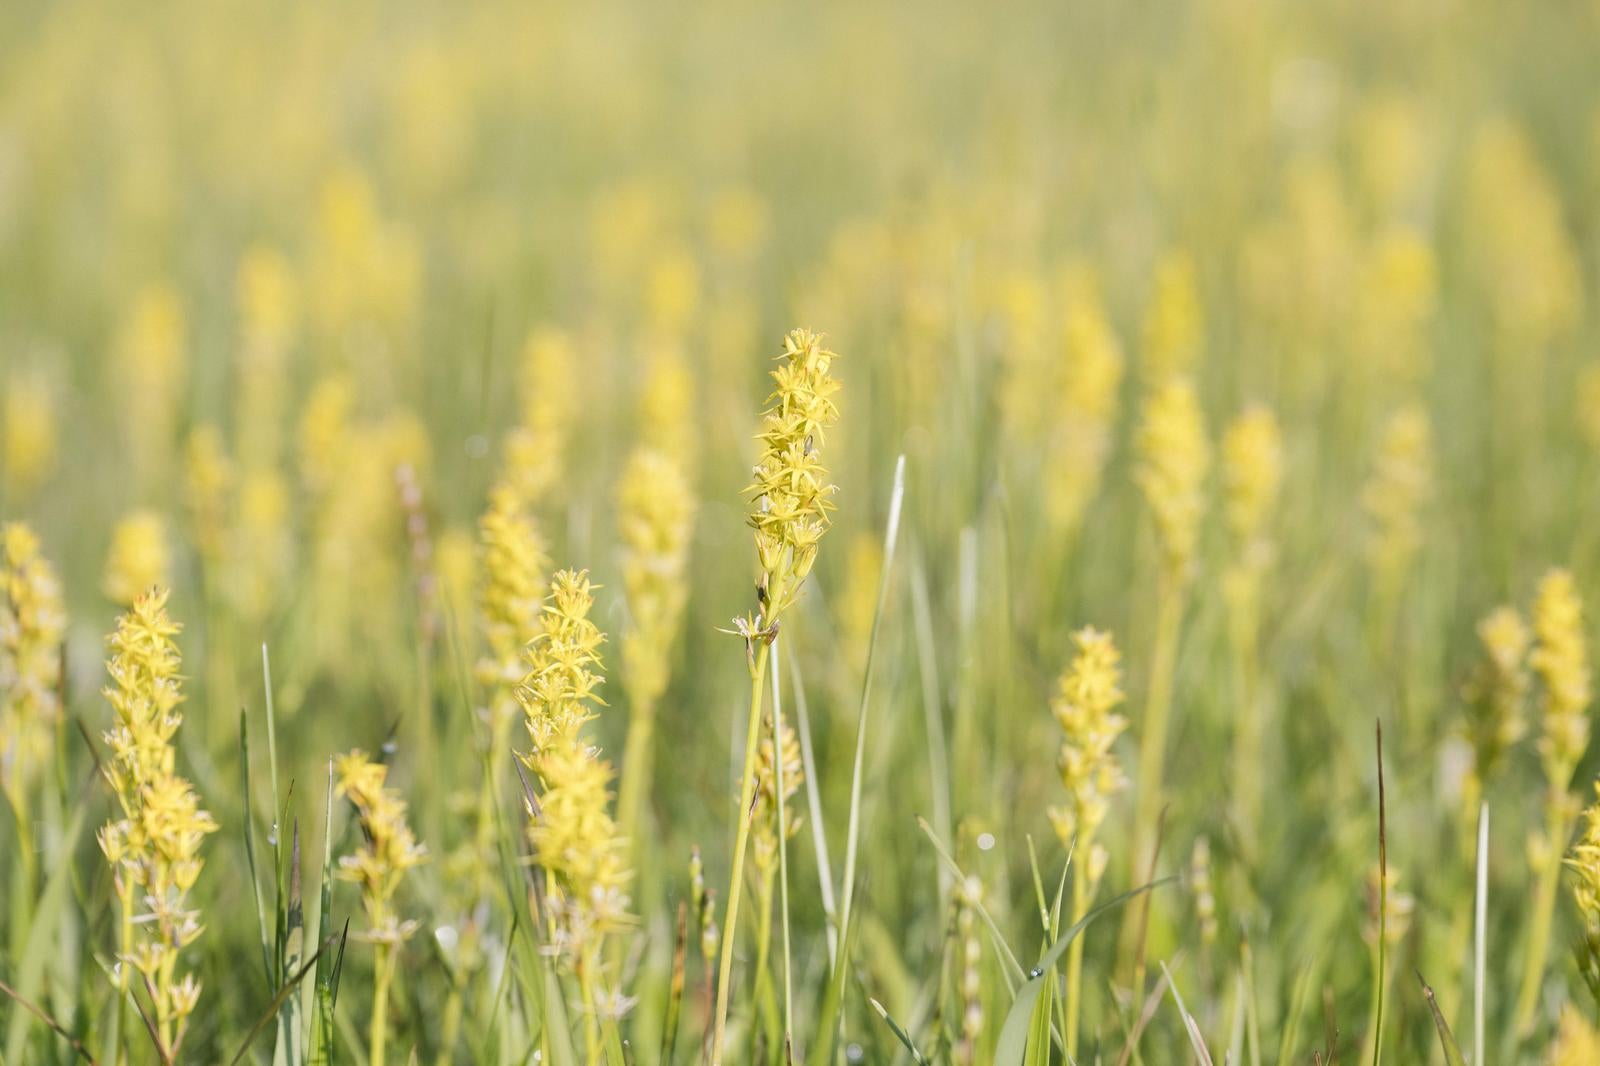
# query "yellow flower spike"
(154, 846)
(535, 450)
(1078, 438)
(791, 490)
(138, 559)
(512, 591)
(1562, 663)
(388, 848)
(655, 518)
(764, 820)
(564, 659)
(1174, 458)
(33, 625)
(1252, 473)
(209, 484)
(667, 405)
(1393, 497)
(1495, 693)
(1174, 323)
(28, 415)
(1084, 706)
(151, 359)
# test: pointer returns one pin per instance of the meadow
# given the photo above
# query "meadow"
(884, 533)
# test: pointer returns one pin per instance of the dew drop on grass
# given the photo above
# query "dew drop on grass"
(854, 1053)
(985, 841)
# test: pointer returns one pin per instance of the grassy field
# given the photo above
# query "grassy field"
(638, 533)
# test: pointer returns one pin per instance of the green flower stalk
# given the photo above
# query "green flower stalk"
(153, 845)
(1252, 474)
(792, 500)
(1562, 663)
(1174, 460)
(656, 521)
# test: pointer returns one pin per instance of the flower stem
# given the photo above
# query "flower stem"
(380, 1003)
(1544, 904)
(747, 787)
(1080, 907)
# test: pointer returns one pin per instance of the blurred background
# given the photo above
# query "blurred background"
(257, 260)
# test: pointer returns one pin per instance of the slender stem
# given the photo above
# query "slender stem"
(1153, 741)
(380, 1003)
(783, 850)
(1480, 924)
(763, 986)
(124, 952)
(1247, 737)
(1080, 907)
(636, 756)
(591, 1025)
(741, 840)
(1544, 904)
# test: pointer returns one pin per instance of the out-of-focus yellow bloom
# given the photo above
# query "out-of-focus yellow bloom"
(1562, 663)
(154, 846)
(1495, 693)
(764, 820)
(1395, 297)
(268, 298)
(365, 270)
(1394, 494)
(1577, 1042)
(1518, 240)
(667, 405)
(1078, 430)
(1584, 861)
(456, 558)
(738, 223)
(672, 292)
(29, 411)
(209, 485)
(388, 848)
(791, 490)
(1174, 323)
(263, 542)
(1019, 300)
(1252, 473)
(151, 362)
(33, 624)
(536, 449)
(576, 840)
(855, 601)
(655, 519)
(325, 432)
(1391, 151)
(512, 591)
(1174, 458)
(138, 558)
(1588, 403)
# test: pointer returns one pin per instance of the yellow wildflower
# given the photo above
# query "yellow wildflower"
(563, 659)
(1174, 459)
(1084, 705)
(1252, 472)
(1078, 436)
(655, 517)
(209, 482)
(1562, 663)
(1495, 692)
(30, 440)
(32, 626)
(138, 559)
(791, 490)
(154, 846)
(1394, 494)
(151, 359)
(1174, 324)
(535, 449)
(388, 848)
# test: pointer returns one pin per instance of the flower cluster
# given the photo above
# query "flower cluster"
(563, 659)
(138, 559)
(1394, 494)
(1079, 437)
(1496, 691)
(1174, 459)
(388, 848)
(1174, 324)
(512, 591)
(154, 846)
(655, 518)
(764, 820)
(534, 449)
(32, 625)
(790, 490)
(1084, 705)
(1562, 663)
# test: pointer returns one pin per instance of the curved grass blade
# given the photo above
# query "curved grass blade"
(1447, 1040)
(899, 1033)
(1013, 1040)
(277, 1002)
(1196, 1041)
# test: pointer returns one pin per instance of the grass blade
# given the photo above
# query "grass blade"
(1013, 1040)
(899, 1033)
(1480, 907)
(1447, 1040)
(891, 537)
